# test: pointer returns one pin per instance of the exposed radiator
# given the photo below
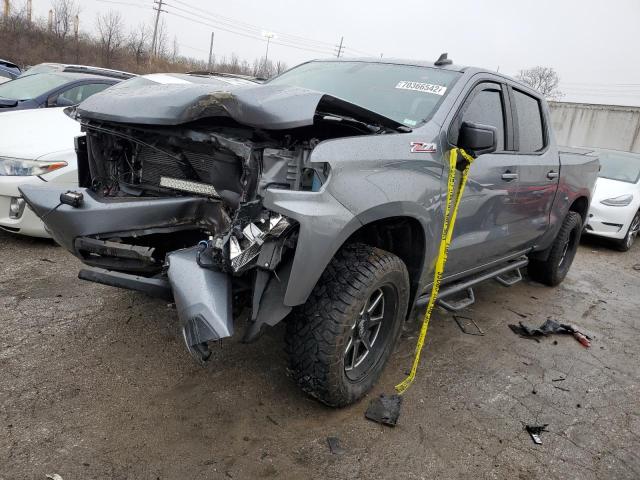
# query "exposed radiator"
(198, 166)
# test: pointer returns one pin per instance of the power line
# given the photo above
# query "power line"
(127, 4)
(247, 35)
(247, 31)
(248, 26)
(234, 26)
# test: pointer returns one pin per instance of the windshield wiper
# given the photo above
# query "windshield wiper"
(374, 128)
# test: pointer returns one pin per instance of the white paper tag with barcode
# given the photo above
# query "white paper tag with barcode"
(421, 87)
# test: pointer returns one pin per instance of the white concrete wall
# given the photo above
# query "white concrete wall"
(604, 126)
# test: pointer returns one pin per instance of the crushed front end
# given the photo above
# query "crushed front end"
(177, 211)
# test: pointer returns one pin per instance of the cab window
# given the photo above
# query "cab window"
(528, 122)
(487, 108)
(76, 95)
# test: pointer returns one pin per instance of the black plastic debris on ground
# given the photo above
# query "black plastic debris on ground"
(465, 326)
(385, 409)
(550, 327)
(535, 431)
(335, 447)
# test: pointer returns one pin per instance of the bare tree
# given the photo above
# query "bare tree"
(64, 13)
(137, 43)
(543, 79)
(175, 51)
(110, 36)
(280, 67)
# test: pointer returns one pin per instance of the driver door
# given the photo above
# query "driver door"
(483, 230)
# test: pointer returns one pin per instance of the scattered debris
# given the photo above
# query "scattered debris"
(335, 447)
(54, 476)
(535, 431)
(561, 388)
(385, 409)
(471, 321)
(561, 379)
(636, 267)
(521, 315)
(48, 261)
(272, 420)
(549, 327)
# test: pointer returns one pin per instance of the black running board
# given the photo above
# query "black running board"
(507, 274)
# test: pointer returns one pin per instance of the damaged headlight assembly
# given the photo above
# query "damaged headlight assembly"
(16, 167)
(258, 241)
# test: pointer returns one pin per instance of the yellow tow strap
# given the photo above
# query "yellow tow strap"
(450, 213)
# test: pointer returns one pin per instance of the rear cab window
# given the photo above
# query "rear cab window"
(528, 122)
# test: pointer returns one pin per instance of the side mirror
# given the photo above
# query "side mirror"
(477, 139)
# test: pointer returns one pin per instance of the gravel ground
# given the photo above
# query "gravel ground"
(95, 383)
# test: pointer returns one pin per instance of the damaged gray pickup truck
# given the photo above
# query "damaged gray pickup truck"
(317, 197)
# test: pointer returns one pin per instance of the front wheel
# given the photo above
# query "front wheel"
(626, 243)
(563, 250)
(339, 342)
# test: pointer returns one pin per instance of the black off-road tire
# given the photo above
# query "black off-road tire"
(553, 270)
(320, 331)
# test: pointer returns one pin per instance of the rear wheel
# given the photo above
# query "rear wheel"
(339, 342)
(563, 250)
(626, 243)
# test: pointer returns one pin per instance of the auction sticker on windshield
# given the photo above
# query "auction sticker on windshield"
(421, 87)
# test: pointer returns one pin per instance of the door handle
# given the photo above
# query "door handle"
(509, 176)
(551, 175)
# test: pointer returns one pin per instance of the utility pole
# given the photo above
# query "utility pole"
(76, 33)
(157, 3)
(7, 8)
(340, 48)
(268, 36)
(50, 20)
(210, 52)
(29, 10)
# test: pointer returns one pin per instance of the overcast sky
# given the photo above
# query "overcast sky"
(592, 44)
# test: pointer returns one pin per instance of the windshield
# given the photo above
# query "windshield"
(404, 93)
(27, 88)
(621, 166)
(42, 68)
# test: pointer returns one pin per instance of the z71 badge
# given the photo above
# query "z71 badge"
(422, 147)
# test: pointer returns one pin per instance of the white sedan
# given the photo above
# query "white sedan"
(36, 146)
(615, 207)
